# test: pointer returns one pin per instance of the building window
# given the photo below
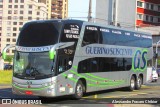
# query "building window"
(21, 17)
(15, 6)
(14, 29)
(159, 8)
(22, 1)
(29, 18)
(37, 18)
(151, 18)
(21, 12)
(38, 13)
(152, 7)
(8, 40)
(13, 40)
(139, 4)
(147, 18)
(14, 23)
(21, 6)
(1, 0)
(158, 20)
(30, 6)
(9, 11)
(20, 23)
(147, 5)
(1, 6)
(14, 34)
(9, 6)
(15, 11)
(139, 16)
(10, 1)
(9, 17)
(29, 12)
(16, 1)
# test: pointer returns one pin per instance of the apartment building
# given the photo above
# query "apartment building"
(59, 9)
(13, 15)
(131, 14)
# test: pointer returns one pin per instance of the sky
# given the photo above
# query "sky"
(79, 8)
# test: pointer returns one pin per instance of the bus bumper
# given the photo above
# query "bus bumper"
(48, 91)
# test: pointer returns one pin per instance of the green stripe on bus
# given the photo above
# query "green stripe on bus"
(82, 76)
(110, 81)
(96, 76)
(89, 74)
(73, 79)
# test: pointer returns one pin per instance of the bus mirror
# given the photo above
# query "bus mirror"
(51, 54)
(4, 52)
(4, 55)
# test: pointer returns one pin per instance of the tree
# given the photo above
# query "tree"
(9, 58)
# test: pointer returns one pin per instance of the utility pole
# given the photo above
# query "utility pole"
(90, 11)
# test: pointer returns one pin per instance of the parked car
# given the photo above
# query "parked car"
(154, 75)
(8, 67)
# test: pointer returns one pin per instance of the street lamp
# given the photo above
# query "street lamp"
(156, 53)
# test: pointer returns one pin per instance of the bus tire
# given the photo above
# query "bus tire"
(79, 90)
(132, 84)
(138, 83)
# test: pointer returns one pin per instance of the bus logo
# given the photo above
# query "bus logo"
(139, 61)
(29, 84)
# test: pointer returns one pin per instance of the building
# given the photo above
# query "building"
(49, 4)
(59, 9)
(130, 14)
(13, 15)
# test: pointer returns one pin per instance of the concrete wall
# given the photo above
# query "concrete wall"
(104, 11)
(126, 13)
(116, 11)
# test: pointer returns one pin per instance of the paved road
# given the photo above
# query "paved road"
(151, 90)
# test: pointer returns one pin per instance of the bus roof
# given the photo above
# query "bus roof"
(88, 23)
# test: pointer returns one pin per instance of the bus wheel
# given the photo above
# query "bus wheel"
(132, 84)
(138, 83)
(79, 90)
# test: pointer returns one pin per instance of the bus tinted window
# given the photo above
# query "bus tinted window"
(104, 65)
(124, 38)
(90, 35)
(70, 32)
(39, 34)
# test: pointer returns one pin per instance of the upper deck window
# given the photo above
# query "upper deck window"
(39, 34)
(91, 35)
(70, 33)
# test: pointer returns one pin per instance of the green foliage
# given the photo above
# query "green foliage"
(5, 77)
(9, 58)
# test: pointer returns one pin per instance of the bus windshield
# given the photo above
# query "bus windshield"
(36, 34)
(33, 65)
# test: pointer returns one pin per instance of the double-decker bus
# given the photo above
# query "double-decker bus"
(73, 57)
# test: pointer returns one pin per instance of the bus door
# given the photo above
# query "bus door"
(64, 63)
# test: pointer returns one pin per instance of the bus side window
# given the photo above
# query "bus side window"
(64, 63)
(83, 66)
(91, 35)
